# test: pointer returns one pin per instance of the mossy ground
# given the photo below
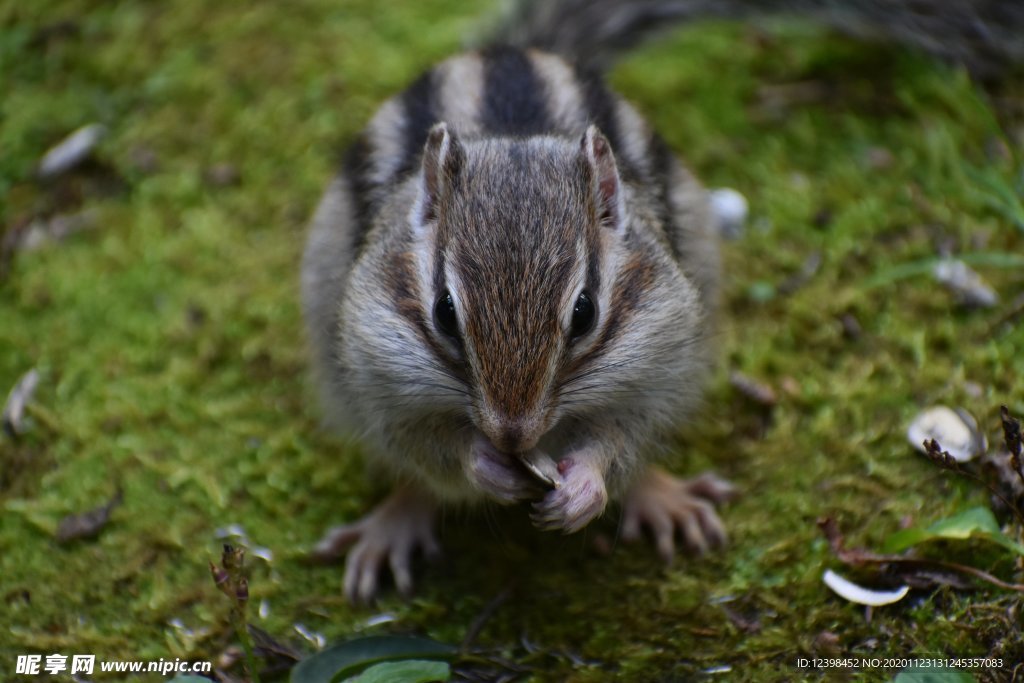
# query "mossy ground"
(170, 341)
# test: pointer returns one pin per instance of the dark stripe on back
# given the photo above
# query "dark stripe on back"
(356, 167)
(600, 106)
(514, 101)
(662, 166)
(602, 109)
(418, 103)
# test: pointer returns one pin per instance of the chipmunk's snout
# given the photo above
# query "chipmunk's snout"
(512, 434)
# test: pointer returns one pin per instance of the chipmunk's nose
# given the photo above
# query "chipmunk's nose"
(512, 434)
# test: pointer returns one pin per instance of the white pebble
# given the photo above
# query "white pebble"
(965, 283)
(730, 210)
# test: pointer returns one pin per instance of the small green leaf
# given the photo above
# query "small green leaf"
(408, 671)
(1000, 195)
(965, 524)
(977, 522)
(761, 292)
(914, 674)
(348, 659)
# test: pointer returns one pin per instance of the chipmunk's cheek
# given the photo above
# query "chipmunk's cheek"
(497, 474)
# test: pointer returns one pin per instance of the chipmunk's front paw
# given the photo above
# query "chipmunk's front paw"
(580, 497)
(667, 504)
(498, 474)
(395, 529)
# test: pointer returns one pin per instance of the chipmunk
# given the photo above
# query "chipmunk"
(509, 290)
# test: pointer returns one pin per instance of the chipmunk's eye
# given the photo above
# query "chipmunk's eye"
(444, 315)
(583, 315)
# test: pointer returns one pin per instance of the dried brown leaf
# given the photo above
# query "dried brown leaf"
(87, 524)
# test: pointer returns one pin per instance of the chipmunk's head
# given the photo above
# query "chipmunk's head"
(525, 278)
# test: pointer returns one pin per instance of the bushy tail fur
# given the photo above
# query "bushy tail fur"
(987, 36)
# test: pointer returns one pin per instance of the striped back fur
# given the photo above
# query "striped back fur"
(500, 92)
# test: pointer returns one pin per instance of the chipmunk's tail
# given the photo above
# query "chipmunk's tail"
(987, 36)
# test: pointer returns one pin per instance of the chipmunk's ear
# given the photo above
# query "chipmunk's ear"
(607, 186)
(443, 158)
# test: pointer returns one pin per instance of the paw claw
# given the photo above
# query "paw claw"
(693, 533)
(398, 560)
(664, 538)
(711, 487)
(630, 530)
(368, 582)
(335, 542)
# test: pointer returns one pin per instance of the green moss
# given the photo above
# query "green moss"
(170, 340)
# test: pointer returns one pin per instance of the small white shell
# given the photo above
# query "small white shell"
(845, 588)
(382, 618)
(955, 430)
(730, 210)
(20, 396)
(313, 637)
(70, 151)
